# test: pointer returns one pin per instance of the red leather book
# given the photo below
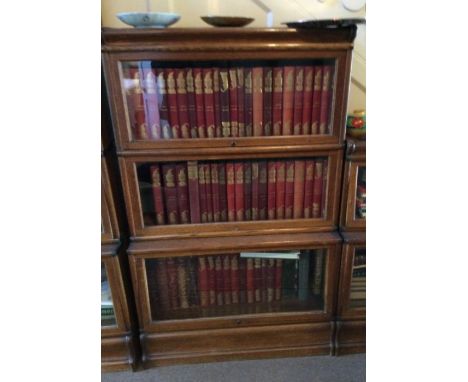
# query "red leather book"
(307, 99)
(209, 193)
(209, 102)
(202, 194)
(255, 190)
(324, 186)
(203, 281)
(267, 100)
(150, 95)
(239, 190)
(298, 95)
(182, 103)
(199, 103)
(227, 279)
(278, 278)
(258, 282)
(316, 99)
(325, 99)
(280, 188)
(248, 102)
(215, 191)
(172, 282)
(222, 192)
(271, 190)
(211, 280)
(247, 190)
(240, 102)
(242, 280)
(217, 103)
(140, 128)
(235, 282)
(250, 280)
(270, 279)
(191, 103)
(157, 194)
(289, 190)
(233, 102)
(182, 282)
(277, 106)
(172, 103)
(298, 203)
(170, 193)
(193, 192)
(163, 107)
(262, 190)
(230, 191)
(308, 187)
(182, 193)
(163, 287)
(288, 100)
(224, 100)
(318, 186)
(257, 101)
(219, 280)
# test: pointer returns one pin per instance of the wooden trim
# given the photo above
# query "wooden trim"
(348, 221)
(110, 225)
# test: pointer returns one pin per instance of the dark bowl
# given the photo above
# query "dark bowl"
(227, 21)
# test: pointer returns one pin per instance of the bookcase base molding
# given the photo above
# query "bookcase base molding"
(117, 353)
(350, 337)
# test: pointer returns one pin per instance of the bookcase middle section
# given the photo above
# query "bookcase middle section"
(215, 196)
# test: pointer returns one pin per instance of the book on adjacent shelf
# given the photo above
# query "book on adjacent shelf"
(316, 99)
(267, 101)
(288, 100)
(157, 194)
(298, 100)
(277, 102)
(182, 103)
(172, 103)
(257, 101)
(199, 102)
(170, 193)
(182, 193)
(208, 100)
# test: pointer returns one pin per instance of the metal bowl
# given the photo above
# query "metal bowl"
(227, 21)
(148, 19)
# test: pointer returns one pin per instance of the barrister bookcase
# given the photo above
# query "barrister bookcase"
(231, 144)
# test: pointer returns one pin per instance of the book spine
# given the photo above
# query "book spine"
(215, 191)
(239, 190)
(280, 188)
(277, 105)
(255, 190)
(222, 192)
(316, 98)
(172, 103)
(194, 193)
(163, 108)
(289, 190)
(267, 101)
(247, 190)
(257, 101)
(224, 99)
(317, 190)
(233, 102)
(231, 193)
(303, 276)
(227, 279)
(162, 282)
(182, 193)
(298, 189)
(203, 281)
(264, 276)
(308, 188)
(278, 278)
(199, 103)
(151, 101)
(202, 194)
(240, 101)
(211, 280)
(172, 282)
(270, 280)
(258, 282)
(181, 282)
(288, 99)
(318, 266)
(271, 190)
(192, 282)
(298, 96)
(235, 282)
(242, 280)
(209, 193)
(323, 205)
(182, 104)
(250, 281)
(129, 90)
(262, 190)
(325, 99)
(191, 103)
(170, 193)
(140, 125)
(157, 194)
(217, 104)
(307, 99)
(248, 102)
(208, 99)
(219, 280)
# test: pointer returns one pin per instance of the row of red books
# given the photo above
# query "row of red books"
(183, 103)
(205, 192)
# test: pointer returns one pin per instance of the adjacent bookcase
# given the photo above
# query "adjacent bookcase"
(230, 144)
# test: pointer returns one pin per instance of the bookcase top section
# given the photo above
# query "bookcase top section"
(174, 39)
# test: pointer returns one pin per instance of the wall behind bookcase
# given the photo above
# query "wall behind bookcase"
(280, 11)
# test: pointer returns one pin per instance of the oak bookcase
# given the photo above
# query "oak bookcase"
(198, 117)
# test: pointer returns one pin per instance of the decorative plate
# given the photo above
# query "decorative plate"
(324, 23)
(227, 21)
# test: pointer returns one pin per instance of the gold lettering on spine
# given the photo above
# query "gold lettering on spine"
(289, 82)
(171, 83)
(207, 81)
(248, 83)
(198, 84)
(189, 81)
(224, 81)
(181, 83)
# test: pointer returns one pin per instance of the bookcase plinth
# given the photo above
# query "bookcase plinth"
(117, 353)
(350, 337)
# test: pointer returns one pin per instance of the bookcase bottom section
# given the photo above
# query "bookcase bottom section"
(350, 337)
(118, 353)
(160, 349)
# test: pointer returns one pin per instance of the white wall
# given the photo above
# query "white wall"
(281, 11)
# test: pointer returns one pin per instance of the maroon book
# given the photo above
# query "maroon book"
(299, 166)
(233, 102)
(258, 282)
(182, 278)
(191, 103)
(235, 282)
(289, 190)
(215, 191)
(150, 95)
(298, 95)
(307, 99)
(202, 194)
(162, 283)
(248, 102)
(308, 188)
(270, 279)
(225, 103)
(257, 101)
(267, 101)
(230, 191)
(317, 192)
(277, 106)
(262, 190)
(324, 185)
(219, 280)
(172, 103)
(217, 103)
(222, 192)
(242, 280)
(250, 280)
(325, 99)
(193, 191)
(209, 193)
(211, 280)
(170, 193)
(280, 188)
(247, 190)
(239, 190)
(227, 279)
(157, 194)
(316, 99)
(288, 100)
(199, 103)
(182, 193)
(163, 107)
(138, 107)
(171, 268)
(182, 103)
(255, 190)
(240, 102)
(264, 280)
(203, 281)
(271, 190)
(209, 102)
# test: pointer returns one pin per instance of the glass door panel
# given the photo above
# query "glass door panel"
(360, 212)
(107, 306)
(357, 297)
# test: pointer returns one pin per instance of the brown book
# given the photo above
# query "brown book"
(163, 286)
(250, 280)
(247, 190)
(217, 103)
(316, 99)
(278, 278)
(231, 193)
(288, 100)
(317, 189)
(239, 190)
(172, 282)
(202, 194)
(277, 106)
(191, 103)
(209, 193)
(233, 102)
(170, 193)
(318, 272)
(258, 282)
(280, 188)
(215, 192)
(248, 102)
(240, 101)
(307, 99)
(203, 281)
(308, 188)
(325, 99)
(267, 100)
(235, 282)
(163, 106)
(225, 103)
(208, 99)
(298, 98)
(264, 280)
(257, 101)
(182, 193)
(199, 102)
(210, 261)
(298, 189)
(182, 103)
(192, 282)
(242, 280)
(222, 192)
(227, 279)
(270, 279)
(262, 190)
(157, 194)
(219, 280)
(193, 191)
(289, 190)
(271, 190)
(255, 190)
(181, 282)
(172, 103)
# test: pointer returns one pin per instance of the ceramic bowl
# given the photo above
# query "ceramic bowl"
(227, 21)
(148, 19)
